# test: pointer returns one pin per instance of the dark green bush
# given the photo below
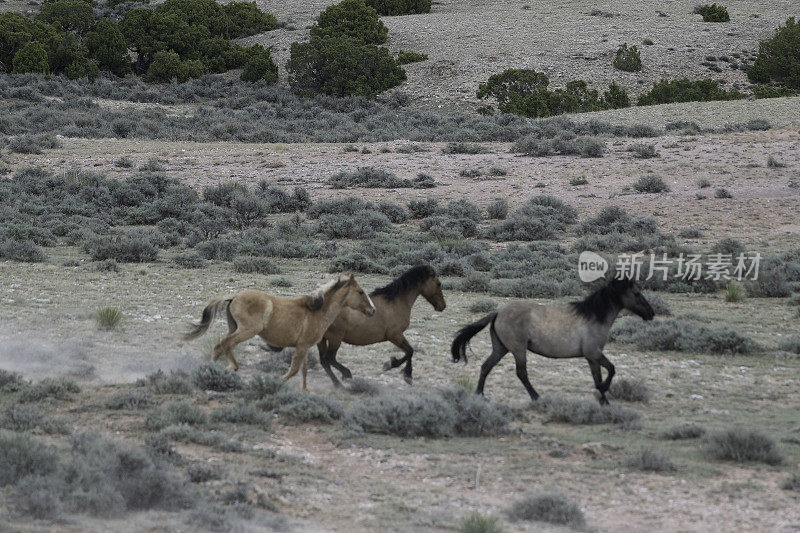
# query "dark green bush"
(713, 13)
(683, 335)
(685, 90)
(57, 388)
(400, 7)
(21, 251)
(524, 92)
(540, 218)
(682, 432)
(779, 58)
(167, 66)
(122, 248)
(350, 18)
(31, 57)
(628, 59)
(259, 66)
(651, 460)
(369, 177)
(246, 19)
(22, 456)
(342, 66)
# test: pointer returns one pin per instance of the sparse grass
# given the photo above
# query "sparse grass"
(722, 193)
(550, 507)
(703, 183)
(189, 433)
(363, 386)
(742, 446)
(581, 180)
(480, 523)
(240, 413)
(586, 412)
(734, 292)
(124, 162)
(630, 390)
(108, 318)
(651, 460)
(682, 432)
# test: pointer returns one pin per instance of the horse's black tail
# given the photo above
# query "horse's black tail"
(209, 313)
(459, 347)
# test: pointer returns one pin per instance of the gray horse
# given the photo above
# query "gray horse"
(578, 329)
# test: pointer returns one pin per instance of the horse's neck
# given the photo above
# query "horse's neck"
(410, 297)
(612, 315)
(331, 307)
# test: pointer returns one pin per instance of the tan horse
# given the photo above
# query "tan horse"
(393, 305)
(287, 322)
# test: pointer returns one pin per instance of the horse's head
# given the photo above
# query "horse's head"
(356, 297)
(431, 290)
(631, 298)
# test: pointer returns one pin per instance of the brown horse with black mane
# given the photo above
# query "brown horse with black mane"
(286, 322)
(393, 305)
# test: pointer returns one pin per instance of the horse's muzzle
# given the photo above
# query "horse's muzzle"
(370, 313)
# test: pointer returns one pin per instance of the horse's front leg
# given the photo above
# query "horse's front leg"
(394, 362)
(601, 385)
(300, 357)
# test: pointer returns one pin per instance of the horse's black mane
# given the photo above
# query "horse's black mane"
(601, 302)
(407, 281)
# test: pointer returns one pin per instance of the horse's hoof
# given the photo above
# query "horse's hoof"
(388, 365)
(408, 379)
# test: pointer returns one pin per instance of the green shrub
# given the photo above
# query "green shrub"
(255, 265)
(540, 218)
(25, 418)
(58, 388)
(174, 413)
(342, 66)
(791, 483)
(176, 382)
(129, 399)
(121, 248)
(630, 390)
(480, 523)
(722, 193)
(240, 413)
(497, 209)
(21, 251)
(550, 507)
(213, 376)
(682, 335)
(350, 18)
(259, 66)
(32, 57)
(22, 456)
(464, 148)
(685, 90)
(400, 7)
(713, 13)
(189, 433)
(651, 183)
(742, 445)
(368, 177)
(628, 59)
(108, 318)
(779, 58)
(405, 57)
(650, 460)
(300, 407)
(643, 151)
(682, 432)
(524, 92)
(189, 260)
(734, 292)
(790, 344)
(585, 412)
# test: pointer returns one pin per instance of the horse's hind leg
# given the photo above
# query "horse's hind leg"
(229, 342)
(402, 343)
(333, 349)
(300, 358)
(498, 351)
(325, 361)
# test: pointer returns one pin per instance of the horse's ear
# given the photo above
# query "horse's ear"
(352, 278)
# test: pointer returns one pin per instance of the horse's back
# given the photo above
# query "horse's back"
(549, 330)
